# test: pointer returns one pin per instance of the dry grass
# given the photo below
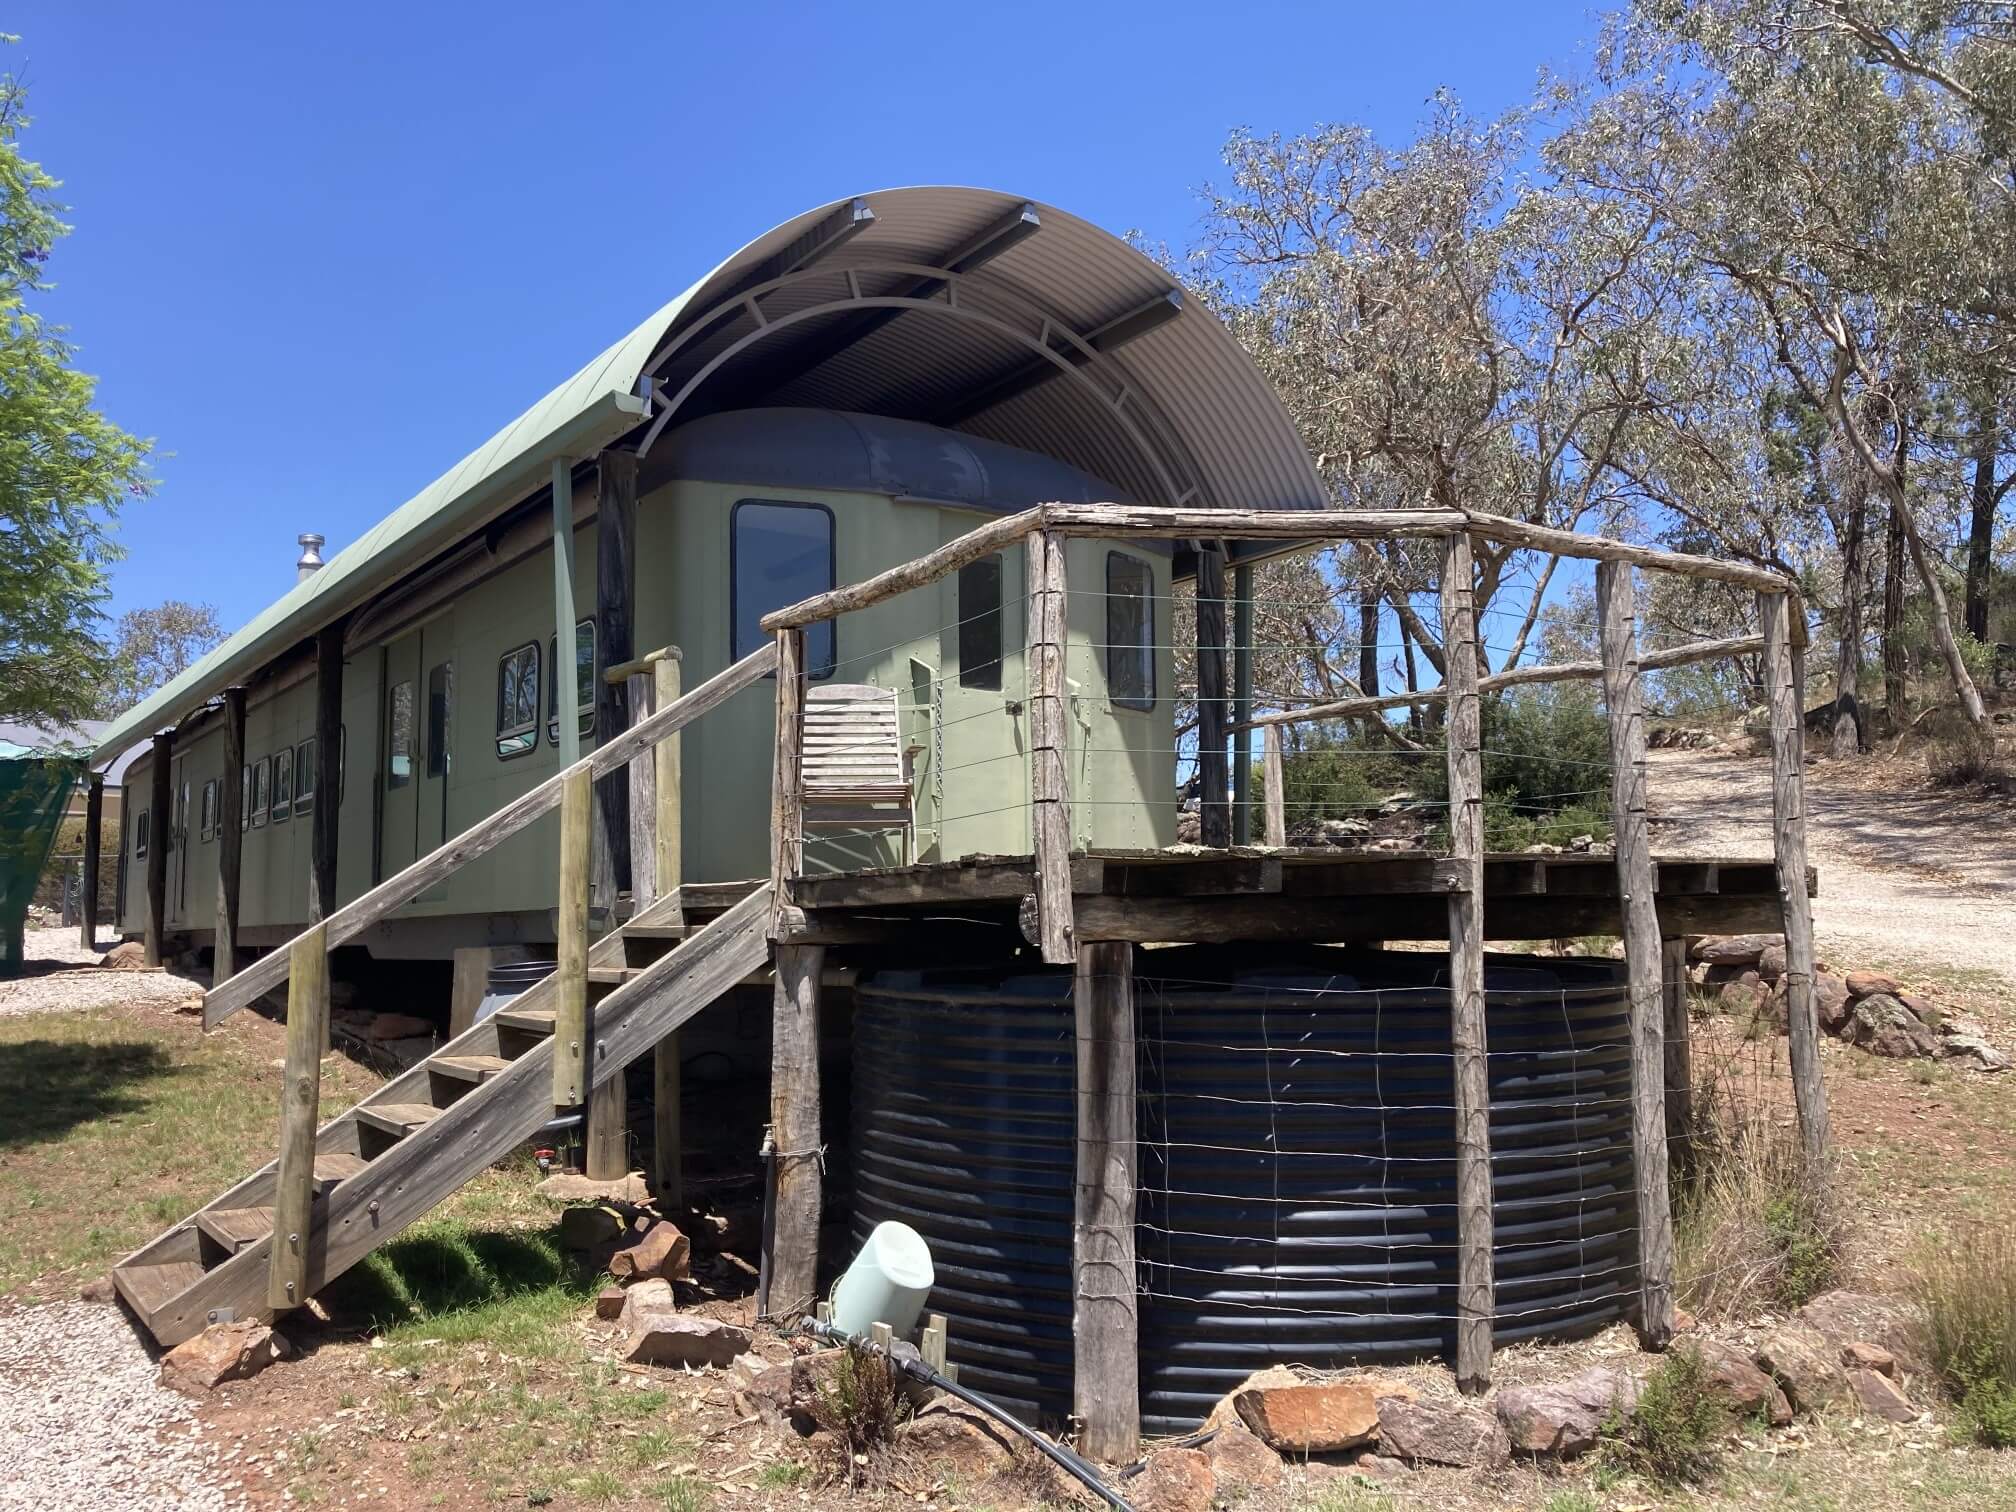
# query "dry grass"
(1966, 1283)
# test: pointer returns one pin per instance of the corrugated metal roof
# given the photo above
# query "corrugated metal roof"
(1195, 412)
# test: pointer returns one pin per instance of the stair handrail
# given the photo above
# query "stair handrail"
(351, 920)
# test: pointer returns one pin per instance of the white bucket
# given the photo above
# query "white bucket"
(887, 1283)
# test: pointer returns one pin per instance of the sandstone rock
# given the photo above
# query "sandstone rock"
(1744, 1389)
(1864, 1356)
(1564, 1418)
(1241, 1462)
(1771, 961)
(1226, 1414)
(1849, 1317)
(1741, 995)
(98, 1289)
(1733, 950)
(1974, 1049)
(662, 1252)
(1176, 1480)
(1830, 1001)
(1883, 1026)
(584, 1228)
(572, 1186)
(672, 1338)
(393, 1026)
(1961, 1023)
(644, 1299)
(1863, 983)
(1803, 1363)
(1311, 1419)
(1442, 1433)
(128, 955)
(609, 1303)
(222, 1352)
(1379, 1467)
(1880, 1397)
(951, 1436)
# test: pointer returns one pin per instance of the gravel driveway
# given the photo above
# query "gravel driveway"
(62, 977)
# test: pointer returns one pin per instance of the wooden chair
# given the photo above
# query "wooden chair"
(856, 771)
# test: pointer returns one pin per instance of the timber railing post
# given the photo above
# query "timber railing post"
(570, 973)
(230, 839)
(1105, 1297)
(1242, 704)
(1213, 817)
(300, 1112)
(1784, 690)
(1624, 710)
(94, 821)
(1476, 1293)
(668, 1150)
(1049, 744)
(787, 796)
(666, 836)
(1272, 776)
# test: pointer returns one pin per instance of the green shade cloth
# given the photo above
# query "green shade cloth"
(34, 791)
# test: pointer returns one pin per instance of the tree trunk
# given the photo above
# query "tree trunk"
(1413, 678)
(1987, 441)
(1368, 642)
(1848, 665)
(1893, 619)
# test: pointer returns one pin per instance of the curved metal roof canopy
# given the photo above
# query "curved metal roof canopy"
(964, 308)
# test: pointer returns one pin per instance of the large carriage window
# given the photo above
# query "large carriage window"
(980, 623)
(259, 770)
(779, 554)
(208, 818)
(283, 785)
(584, 682)
(518, 701)
(140, 835)
(304, 776)
(1130, 631)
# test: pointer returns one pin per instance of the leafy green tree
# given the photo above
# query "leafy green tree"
(152, 646)
(65, 470)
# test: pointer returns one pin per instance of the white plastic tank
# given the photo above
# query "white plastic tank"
(887, 1283)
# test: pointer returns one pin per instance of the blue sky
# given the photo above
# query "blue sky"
(323, 251)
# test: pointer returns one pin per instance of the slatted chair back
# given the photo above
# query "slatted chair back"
(855, 771)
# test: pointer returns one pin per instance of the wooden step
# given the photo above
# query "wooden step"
(612, 976)
(149, 1288)
(234, 1228)
(655, 931)
(469, 1068)
(525, 1020)
(332, 1166)
(398, 1118)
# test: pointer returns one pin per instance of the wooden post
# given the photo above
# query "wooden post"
(1679, 1059)
(1049, 743)
(230, 840)
(565, 672)
(668, 1178)
(1214, 826)
(667, 837)
(328, 750)
(94, 821)
(607, 1131)
(1105, 1302)
(1476, 1292)
(570, 974)
(1624, 707)
(615, 634)
(161, 790)
(792, 1265)
(300, 1112)
(1783, 685)
(787, 799)
(1242, 704)
(641, 797)
(1273, 776)
(662, 805)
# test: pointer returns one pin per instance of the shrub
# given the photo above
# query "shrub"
(1967, 1286)
(861, 1405)
(1959, 755)
(1672, 1434)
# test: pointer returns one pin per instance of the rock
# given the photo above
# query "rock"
(1241, 1462)
(1850, 1317)
(572, 1186)
(950, 1436)
(587, 1228)
(1960, 1023)
(1733, 950)
(1927, 1010)
(1347, 832)
(1883, 1026)
(1830, 1000)
(1971, 1047)
(609, 1303)
(663, 1251)
(98, 1289)
(1802, 1362)
(1862, 984)
(644, 1299)
(1771, 961)
(1564, 1418)
(1864, 1356)
(128, 955)
(1442, 1433)
(1742, 995)
(672, 1338)
(222, 1352)
(1379, 1467)
(1880, 1397)
(1176, 1480)
(1744, 1389)
(1310, 1418)
(1226, 1414)
(395, 1026)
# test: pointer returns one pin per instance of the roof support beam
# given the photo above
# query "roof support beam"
(1108, 338)
(822, 241)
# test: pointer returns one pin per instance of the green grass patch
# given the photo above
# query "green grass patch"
(1672, 1434)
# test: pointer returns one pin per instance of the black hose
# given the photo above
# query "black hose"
(1073, 1466)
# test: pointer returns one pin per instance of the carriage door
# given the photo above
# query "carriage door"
(419, 721)
(979, 756)
(178, 843)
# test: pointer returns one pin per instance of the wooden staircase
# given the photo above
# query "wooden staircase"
(400, 1151)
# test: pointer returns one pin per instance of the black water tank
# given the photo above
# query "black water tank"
(1296, 1160)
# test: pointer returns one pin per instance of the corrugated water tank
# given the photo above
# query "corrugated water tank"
(1296, 1163)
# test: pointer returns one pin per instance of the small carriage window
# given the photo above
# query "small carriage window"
(259, 770)
(304, 776)
(1130, 631)
(140, 830)
(244, 797)
(779, 554)
(584, 682)
(980, 623)
(518, 701)
(208, 817)
(399, 738)
(283, 786)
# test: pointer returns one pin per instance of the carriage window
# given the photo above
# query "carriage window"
(399, 737)
(980, 623)
(259, 770)
(440, 717)
(283, 786)
(584, 682)
(140, 835)
(245, 796)
(518, 701)
(208, 817)
(1130, 631)
(779, 554)
(304, 776)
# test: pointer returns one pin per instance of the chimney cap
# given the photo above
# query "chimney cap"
(310, 561)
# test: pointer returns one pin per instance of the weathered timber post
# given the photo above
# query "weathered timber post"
(300, 1112)
(1679, 1059)
(570, 972)
(655, 862)
(230, 840)
(161, 788)
(1624, 708)
(640, 690)
(606, 1130)
(615, 632)
(668, 794)
(1213, 823)
(1049, 744)
(94, 821)
(1784, 686)
(787, 797)
(565, 669)
(1476, 1292)
(791, 1268)
(1105, 1303)
(1242, 704)
(1272, 776)
(328, 751)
